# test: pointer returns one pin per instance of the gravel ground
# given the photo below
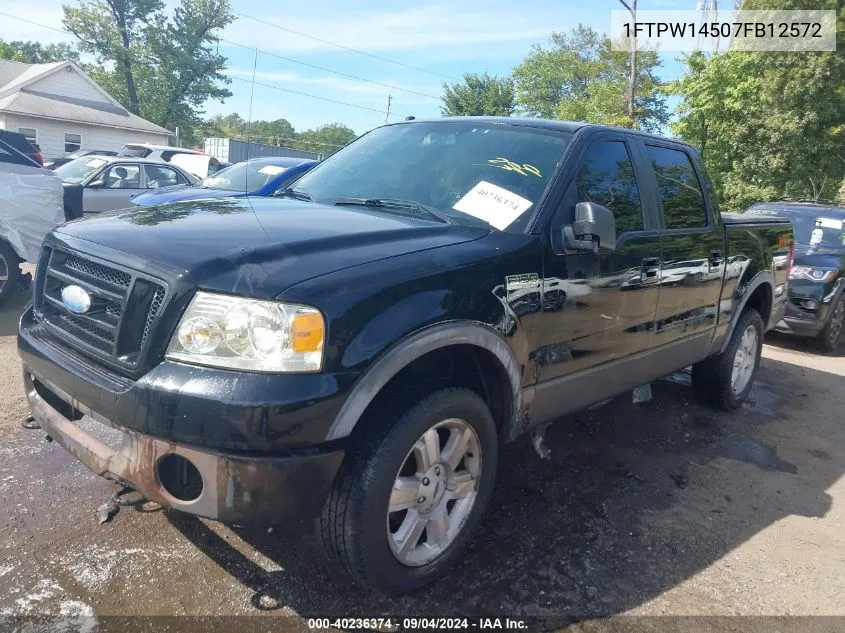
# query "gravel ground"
(663, 508)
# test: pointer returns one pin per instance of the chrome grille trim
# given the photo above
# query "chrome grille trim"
(125, 305)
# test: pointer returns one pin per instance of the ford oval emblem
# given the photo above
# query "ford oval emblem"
(76, 299)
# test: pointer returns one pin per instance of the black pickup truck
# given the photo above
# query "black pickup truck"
(357, 350)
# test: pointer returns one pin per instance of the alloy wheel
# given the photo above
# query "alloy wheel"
(434, 492)
(745, 359)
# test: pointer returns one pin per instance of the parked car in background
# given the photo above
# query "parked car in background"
(52, 163)
(31, 204)
(359, 349)
(109, 181)
(255, 177)
(816, 305)
(14, 148)
(192, 161)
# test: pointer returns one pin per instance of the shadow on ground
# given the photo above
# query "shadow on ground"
(801, 343)
(636, 499)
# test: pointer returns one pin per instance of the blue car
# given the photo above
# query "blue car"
(253, 177)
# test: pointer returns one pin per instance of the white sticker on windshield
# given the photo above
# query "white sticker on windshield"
(271, 170)
(493, 204)
(831, 223)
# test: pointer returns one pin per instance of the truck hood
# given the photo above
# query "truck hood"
(180, 193)
(261, 246)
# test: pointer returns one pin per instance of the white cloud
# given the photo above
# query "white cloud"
(46, 12)
(389, 30)
(338, 84)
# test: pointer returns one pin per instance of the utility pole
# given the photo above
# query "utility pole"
(387, 114)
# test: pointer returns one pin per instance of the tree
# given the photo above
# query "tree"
(113, 30)
(479, 95)
(36, 53)
(768, 124)
(326, 139)
(161, 69)
(580, 78)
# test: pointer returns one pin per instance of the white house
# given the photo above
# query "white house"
(61, 109)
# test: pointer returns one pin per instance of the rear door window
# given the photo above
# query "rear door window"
(679, 188)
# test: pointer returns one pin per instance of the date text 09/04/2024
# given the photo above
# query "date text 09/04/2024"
(412, 624)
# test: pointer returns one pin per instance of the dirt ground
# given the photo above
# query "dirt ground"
(664, 508)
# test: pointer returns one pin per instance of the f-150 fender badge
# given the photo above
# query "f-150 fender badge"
(520, 282)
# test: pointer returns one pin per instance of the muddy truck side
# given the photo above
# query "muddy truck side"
(357, 349)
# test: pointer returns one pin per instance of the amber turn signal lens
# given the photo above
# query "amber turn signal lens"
(307, 332)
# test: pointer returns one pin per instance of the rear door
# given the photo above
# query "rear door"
(692, 243)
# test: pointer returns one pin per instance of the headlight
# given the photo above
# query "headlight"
(240, 333)
(813, 274)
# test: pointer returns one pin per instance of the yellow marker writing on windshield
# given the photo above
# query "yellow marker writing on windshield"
(509, 165)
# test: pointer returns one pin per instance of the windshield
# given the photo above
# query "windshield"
(78, 170)
(817, 228)
(467, 171)
(249, 176)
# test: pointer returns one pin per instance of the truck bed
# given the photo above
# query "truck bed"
(751, 218)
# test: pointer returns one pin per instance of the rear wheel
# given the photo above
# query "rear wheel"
(828, 339)
(9, 271)
(724, 381)
(412, 493)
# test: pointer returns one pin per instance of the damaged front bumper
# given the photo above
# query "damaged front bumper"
(230, 487)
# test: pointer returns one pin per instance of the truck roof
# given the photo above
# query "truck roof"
(549, 124)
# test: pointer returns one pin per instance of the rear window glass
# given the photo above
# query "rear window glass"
(680, 191)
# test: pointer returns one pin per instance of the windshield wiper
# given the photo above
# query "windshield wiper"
(293, 192)
(393, 203)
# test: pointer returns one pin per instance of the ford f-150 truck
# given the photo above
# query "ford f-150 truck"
(357, 350)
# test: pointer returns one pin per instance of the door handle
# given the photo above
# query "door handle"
(716, 259)
(649, 267)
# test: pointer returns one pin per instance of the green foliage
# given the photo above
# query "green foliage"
(580, 78)
(162, 69)
(479, 95)
(36, 53)
(769, 125)
(326, 139)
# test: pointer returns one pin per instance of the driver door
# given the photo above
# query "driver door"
(603, 309)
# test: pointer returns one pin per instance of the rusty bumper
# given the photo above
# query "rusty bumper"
(224, 486)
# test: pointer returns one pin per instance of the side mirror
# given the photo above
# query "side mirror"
(593, 229)
(96, 184)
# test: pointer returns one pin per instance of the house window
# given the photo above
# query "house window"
(73, 142)
(31, 135)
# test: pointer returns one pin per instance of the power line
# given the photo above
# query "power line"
(43, 26)
(329, 70)
(348, 48)
(312, 96)
(296, 92)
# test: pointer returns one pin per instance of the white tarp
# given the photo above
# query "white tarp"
(31, 205)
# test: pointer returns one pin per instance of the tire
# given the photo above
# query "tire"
(9, 271)
(356, 527)
(712, 379)
(828, 339)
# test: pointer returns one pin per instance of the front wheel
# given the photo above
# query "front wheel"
(412, 492)
(828, 338)
(724, 381)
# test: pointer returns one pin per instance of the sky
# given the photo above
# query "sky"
(413, 47)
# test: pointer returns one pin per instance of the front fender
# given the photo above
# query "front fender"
(413, 347)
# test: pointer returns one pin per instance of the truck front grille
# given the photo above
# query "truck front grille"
(124, 307)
